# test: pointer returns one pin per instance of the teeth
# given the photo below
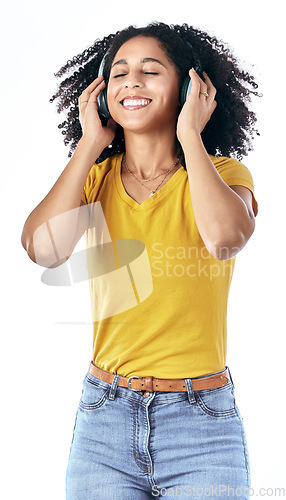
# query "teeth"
(136, 102)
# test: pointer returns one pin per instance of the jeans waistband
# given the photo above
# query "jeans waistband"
(150, 384)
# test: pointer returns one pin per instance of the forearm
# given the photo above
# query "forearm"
(222, 217)
(64, 196)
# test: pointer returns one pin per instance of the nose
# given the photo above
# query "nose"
(132, 81)
(130, 85)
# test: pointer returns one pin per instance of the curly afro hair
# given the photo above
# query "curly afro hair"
(232, 127)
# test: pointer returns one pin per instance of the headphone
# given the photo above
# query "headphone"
(185, 90)
(102, 106)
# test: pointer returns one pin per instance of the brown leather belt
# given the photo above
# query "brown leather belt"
(152, 384)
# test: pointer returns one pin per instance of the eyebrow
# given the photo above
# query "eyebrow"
(146, 59)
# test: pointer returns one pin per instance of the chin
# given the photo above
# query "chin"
(145, 125)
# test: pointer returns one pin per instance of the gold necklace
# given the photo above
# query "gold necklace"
(153, 191)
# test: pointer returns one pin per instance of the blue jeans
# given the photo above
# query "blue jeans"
(180, 444)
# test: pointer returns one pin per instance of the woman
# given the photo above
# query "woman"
(157, 416)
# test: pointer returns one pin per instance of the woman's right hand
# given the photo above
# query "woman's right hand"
(93, 131)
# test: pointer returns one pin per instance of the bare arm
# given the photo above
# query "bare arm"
(61, 203)
(223, 215)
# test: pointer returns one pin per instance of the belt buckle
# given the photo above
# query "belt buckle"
(129, 383)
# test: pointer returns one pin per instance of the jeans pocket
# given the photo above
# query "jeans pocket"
(93, 395)
(218, 402)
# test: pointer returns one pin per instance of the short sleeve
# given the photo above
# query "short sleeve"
(90, 180)
(233, 173)
(83, 196)
(95, 179)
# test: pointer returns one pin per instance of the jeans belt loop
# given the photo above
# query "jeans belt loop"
(114, 386)
(230, 376)
(191, 394)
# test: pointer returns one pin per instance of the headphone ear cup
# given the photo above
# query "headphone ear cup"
(102, 106)
(101, 101)
(185, 90)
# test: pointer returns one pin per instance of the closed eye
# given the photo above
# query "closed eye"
(145, 73)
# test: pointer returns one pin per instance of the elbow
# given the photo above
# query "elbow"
(27, 244)
(228, 244)
(41, 250)
(51, 243)
(45, 256)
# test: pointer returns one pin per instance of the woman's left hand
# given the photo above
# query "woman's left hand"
(198, 108)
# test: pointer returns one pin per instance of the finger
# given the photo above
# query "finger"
(200, 87)
(94, 83)
(195, 89)
(204, 94)
(91, 98)
(95, 93)
(213, 106)
(86, 93)
(211, 88)
(200, 80)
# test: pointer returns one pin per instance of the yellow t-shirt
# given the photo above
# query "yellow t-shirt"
(175, 324)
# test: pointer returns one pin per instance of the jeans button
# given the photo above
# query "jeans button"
(146, 394)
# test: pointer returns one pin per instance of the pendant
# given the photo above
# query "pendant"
(151, 195)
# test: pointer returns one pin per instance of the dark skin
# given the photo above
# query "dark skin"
(223, 214)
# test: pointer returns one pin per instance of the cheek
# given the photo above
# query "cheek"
(170, 96)
(170, 89)
(111, 94)
(113, 106)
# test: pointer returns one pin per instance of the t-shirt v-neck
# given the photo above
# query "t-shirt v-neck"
(149, 202)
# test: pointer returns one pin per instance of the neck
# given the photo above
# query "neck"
(147, 156)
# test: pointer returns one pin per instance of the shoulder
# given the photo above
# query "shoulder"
(233, 171)
(96, 177)
(223, 163)
(99, 170)
(237, 176)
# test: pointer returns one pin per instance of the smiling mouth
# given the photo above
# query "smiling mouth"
(131, 104)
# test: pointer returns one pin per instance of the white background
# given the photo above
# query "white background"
(46, 332)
